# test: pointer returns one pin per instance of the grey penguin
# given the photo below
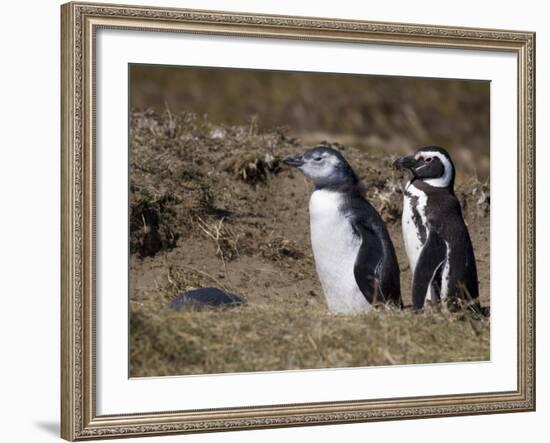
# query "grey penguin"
(437, 241)
(354, 255)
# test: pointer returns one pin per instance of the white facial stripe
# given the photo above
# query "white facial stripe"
(445, 179)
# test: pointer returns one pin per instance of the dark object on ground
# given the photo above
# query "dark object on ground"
(209, 297)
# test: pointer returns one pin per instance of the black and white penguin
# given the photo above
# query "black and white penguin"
(353, 252)
(438, 245)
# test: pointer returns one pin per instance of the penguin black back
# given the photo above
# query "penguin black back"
(376, 252)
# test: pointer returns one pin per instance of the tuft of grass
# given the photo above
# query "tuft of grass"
(253, 169)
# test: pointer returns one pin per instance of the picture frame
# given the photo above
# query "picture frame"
(80, 24)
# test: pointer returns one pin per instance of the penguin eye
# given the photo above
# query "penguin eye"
(317, 159)
(428, 160)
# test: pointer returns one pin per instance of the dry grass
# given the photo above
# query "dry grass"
(295, 334)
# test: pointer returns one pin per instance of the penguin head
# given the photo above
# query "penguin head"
(432, 165)
(326, 167)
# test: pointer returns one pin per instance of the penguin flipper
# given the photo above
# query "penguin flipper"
(433, 255)
(367, 264)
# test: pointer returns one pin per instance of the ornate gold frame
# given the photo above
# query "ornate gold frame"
(79, 420)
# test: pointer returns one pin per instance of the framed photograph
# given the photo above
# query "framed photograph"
(277, 221)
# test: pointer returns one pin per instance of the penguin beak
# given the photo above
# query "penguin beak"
(407, 162)
(295, 161)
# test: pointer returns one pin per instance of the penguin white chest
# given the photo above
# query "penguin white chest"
(415, 234)
(414, 223)
(335, 247)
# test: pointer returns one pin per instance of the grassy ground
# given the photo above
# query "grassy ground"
(295, 333)
(211, 205)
